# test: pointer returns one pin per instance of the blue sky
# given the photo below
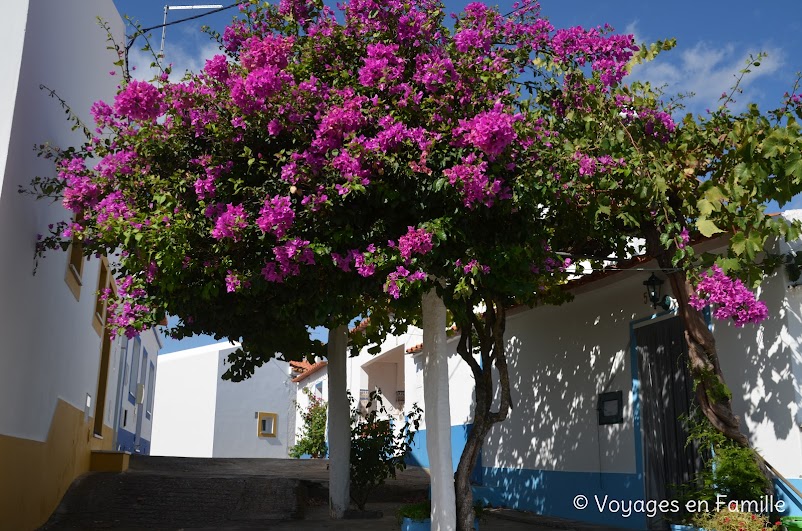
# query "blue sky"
(714, 38)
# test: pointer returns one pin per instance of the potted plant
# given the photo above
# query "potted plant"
(417, 516)
(731, 520)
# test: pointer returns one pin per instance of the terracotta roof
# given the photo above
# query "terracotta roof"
(361, 326)
(308, 371)
(415, 349)
(300, 366)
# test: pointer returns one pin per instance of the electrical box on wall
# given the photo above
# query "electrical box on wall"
(611, 407)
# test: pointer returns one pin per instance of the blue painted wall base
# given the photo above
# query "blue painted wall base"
(125, 443)
(459, 436)
(554, 493)
(407, 524)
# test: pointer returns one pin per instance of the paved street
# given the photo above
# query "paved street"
(174, 494)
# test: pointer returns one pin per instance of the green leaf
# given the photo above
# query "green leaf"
(707, 227)
(738, 243)
(715, 195)
(705, 207)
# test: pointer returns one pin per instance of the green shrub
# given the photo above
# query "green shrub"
(728, 468)
(377, 450)
(313, 434)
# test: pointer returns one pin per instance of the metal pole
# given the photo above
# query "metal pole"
(167, 8)
(164, 32)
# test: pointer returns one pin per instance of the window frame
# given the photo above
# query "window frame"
(133, 376)
(263, 416)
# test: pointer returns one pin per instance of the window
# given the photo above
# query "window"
(267, 423)
(132, 376)
(99, 316)
(151, 390)
(75, 268)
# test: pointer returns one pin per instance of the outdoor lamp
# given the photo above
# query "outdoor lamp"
(654, 288)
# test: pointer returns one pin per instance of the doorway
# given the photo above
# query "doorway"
(666, 399)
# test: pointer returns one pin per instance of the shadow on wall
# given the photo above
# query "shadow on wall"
(459, 433)
(551, 448)
(757, 362)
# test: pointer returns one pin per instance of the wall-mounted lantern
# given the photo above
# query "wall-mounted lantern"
(654, 289)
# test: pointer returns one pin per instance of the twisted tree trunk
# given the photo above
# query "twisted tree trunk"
(712, 394)
(490, 335)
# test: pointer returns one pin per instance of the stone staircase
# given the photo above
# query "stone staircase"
(196, 493)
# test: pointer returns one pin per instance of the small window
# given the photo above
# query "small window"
(99, 317)
(151, 390)
(267, 423)
(75, 268)
(133, 375)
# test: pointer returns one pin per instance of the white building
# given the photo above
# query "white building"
(198, 414)
(568, 362)
(61, 385)
(608, 350)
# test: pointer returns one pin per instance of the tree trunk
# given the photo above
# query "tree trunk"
(339, 423)
(490, 335)
(437, 413)
(712, 394)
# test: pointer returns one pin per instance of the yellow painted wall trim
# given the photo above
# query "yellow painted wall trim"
(106, 461)
(35, 475)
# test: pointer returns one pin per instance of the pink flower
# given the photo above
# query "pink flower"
(233, 283)
(733, 299)
(477, 188)
(489, 131)
(684, 238)
(230, 223)
(139, 100)
(217, 67)
(415, 241)
(276, 216)
(382, 65)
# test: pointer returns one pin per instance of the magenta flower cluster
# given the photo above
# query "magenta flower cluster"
(415, 241)
(489, 131)
(230, 223)
(731, 298)
(473, 267)
(476, 185)
(399, 277)
(276, 216)
(139, 100)
(128, 311)
(289, 256)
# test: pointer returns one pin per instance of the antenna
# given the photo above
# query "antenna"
(168, 8)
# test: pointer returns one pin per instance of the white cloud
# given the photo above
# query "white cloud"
(632, 29)
(708, 71)
(186, 50)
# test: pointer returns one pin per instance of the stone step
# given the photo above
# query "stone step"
(146, 501)
(218, 493)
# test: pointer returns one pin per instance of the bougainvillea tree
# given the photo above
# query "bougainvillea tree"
(327, 165)
(695, 178)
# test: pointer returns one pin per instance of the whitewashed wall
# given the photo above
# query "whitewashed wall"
(302, 400)
(50, 349)
(560, 358)
(186, 395)
(269, 390)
